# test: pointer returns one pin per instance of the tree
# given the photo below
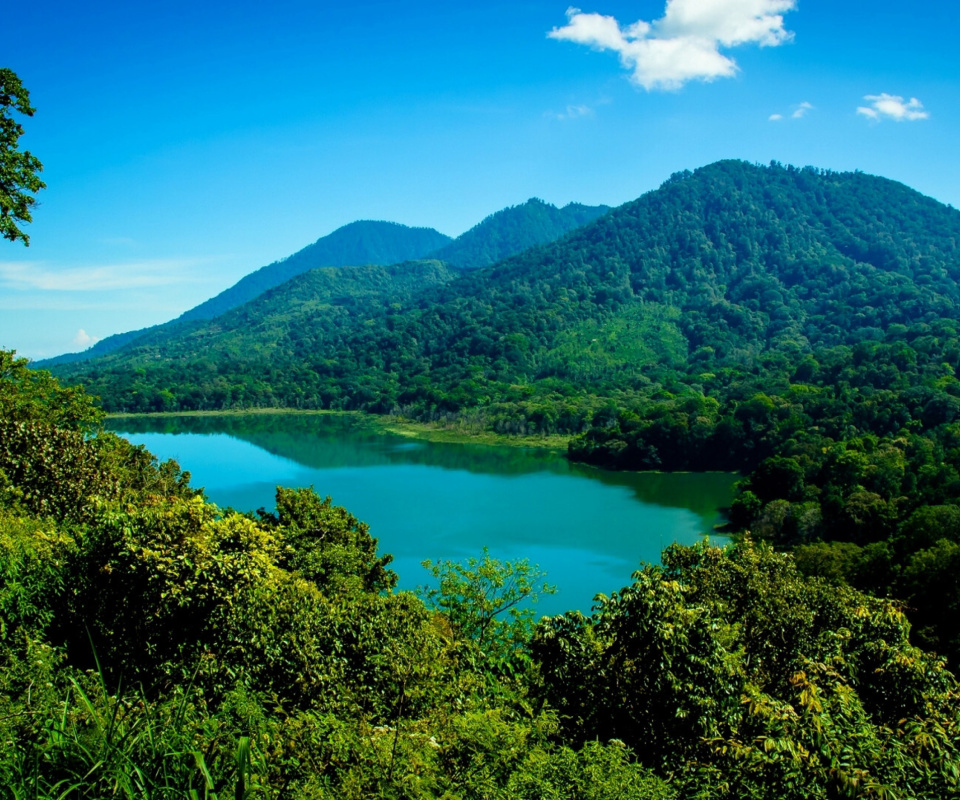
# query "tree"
(744, 679)
(19, 170)
(474, 595)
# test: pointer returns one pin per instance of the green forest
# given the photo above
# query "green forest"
(797, 326)
(153, 645)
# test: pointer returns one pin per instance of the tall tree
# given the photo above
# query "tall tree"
(19, 170)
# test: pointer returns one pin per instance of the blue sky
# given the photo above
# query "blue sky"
(187, 144)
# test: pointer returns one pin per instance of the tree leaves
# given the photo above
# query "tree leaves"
(19, 169)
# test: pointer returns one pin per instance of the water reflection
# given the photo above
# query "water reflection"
(589, 529)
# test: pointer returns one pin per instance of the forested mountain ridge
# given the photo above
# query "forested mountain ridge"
(267, 327)
(710, 271)
(513, 230)
(357, 243)
(502, 234)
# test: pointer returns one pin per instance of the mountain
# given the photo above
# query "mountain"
(503, 234)
(513, 230)
(716, 269)
(356, 244)
(263, 331)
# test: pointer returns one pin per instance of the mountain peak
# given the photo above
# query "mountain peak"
(514, 229)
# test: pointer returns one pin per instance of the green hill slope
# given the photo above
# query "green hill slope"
(263, 332)
(513, 230)
(356, 244)
(503, 234)
(359, 243)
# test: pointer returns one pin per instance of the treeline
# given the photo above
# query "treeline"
(153, 645)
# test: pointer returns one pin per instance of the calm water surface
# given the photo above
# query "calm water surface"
(588, 529)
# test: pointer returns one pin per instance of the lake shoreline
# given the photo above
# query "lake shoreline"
(401, 427)
(589, 528)
(423, 431)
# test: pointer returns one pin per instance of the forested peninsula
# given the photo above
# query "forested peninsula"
(799, 326)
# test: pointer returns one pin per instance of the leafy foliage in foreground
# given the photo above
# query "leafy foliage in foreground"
(19, 169)
(153, 645)
(731, 665)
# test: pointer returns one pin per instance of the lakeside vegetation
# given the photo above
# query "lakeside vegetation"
(152, 645)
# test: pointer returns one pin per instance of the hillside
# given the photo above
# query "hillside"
(357, 244)
(711, 271)
(513, 230)
(264, 330)
(503, 234)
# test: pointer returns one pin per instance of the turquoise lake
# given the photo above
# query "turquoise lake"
(588, 529)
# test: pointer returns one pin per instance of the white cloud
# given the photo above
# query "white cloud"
(83, 339)
(571, 112)
(138, 275)
(685, 43)
(799, 112)
(889, 106)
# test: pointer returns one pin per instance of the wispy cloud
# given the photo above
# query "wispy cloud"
(571, 112)
(684, 44)
(136, 275)
(799, 112)
(890, 106)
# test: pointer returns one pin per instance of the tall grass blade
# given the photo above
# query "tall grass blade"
(243, 767)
